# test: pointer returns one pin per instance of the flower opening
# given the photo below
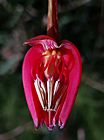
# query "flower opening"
(50, 79)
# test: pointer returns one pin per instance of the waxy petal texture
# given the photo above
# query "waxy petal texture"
(51, 77)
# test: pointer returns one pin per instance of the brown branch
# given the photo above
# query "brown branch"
(94, 84)
(75, 4)
(15, 132)
(78, 3)
(99, 43)
(21, 129)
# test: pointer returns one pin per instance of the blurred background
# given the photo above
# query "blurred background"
(80, 21)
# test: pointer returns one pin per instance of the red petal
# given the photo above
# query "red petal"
(30, 59)
(46, 41)
(74, 81)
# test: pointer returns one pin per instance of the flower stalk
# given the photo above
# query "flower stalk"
(52, 25)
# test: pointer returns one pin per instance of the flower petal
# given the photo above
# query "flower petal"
(46, 41)
(74, 81)
(30, 59)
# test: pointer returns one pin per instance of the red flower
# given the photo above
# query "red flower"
(51, 76)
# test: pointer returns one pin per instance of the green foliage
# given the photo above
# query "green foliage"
(80, 22)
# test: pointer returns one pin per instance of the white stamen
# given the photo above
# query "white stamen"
(46, 95)
(43, 87)
(49, 91)
(60, 97)
(56, 87)
(41, 90)
(57, 102)
(36, 84)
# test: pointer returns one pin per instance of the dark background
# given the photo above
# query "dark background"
(80, 21)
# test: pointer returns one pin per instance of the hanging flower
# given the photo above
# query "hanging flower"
(51, 77)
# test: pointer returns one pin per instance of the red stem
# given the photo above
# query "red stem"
(52, 25)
